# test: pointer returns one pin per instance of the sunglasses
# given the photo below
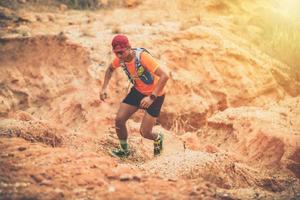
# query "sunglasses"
(119, 52)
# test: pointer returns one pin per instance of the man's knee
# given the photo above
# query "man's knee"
(144, 132)
(119, 121)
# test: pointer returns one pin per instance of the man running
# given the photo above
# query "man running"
(147, 93)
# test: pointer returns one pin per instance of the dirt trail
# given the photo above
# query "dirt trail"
(230, 119)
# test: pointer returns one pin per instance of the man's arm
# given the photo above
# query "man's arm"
(153, 66)
(163, 78)
(108, 73)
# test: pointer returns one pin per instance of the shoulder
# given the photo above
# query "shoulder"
(149, 61)
(146, 55)
(116, 62)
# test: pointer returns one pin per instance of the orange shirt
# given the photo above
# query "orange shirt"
(150, 64)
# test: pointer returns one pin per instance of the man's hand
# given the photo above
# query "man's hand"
(108, 73)
(103, 94)
(146, 102)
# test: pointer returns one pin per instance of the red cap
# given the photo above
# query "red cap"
(120, 43)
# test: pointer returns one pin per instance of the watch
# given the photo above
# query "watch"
(153, 97)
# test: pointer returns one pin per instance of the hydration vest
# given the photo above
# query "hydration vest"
(143, 74)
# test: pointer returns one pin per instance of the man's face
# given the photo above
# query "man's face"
(122, 54)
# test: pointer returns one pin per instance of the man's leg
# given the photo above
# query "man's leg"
(146, 131)
(146, 127)
(124, 113)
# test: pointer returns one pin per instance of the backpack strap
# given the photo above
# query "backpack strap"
(124, 67)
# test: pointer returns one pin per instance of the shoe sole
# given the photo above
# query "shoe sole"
(116, 156)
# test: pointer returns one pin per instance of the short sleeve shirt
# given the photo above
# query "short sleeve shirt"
(150, 64)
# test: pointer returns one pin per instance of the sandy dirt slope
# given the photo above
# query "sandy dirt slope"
(230, 119)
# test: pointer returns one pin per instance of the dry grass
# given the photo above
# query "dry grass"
(83, 4)
(33, 131)
(282, 41)
(88, 33)
(279, 36)
(46, 5)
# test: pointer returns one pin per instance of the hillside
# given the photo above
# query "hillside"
(231, 117)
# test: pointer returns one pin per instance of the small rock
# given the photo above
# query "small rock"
(62, 36)
(58, 190)
(38, 18)
(7, 155)
(79, 190)
(22, 148)
(90, 188)
(111, 174)
(131, 3)
(126, 177)
(193, 193)
(63, 7)
(21, 184)
(137, 177)
(37, 178)
(51, 18)
(94, 166)
(46, 182)
(111, 188)
(172, 180)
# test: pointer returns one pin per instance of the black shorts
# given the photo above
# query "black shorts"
(134, 98)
